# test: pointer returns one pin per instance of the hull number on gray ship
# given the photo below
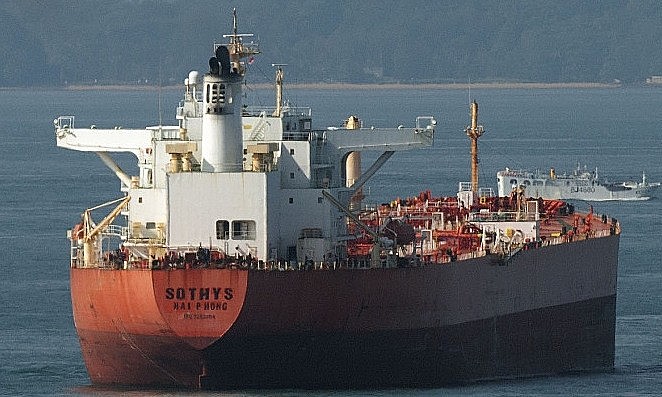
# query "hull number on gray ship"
(582, 189)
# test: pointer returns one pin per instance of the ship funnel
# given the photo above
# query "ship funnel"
(219, 65)
(222, 138)
(223, 57)
(213, 66)
(222, 141)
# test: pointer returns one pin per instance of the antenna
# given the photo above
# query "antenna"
(234, 21)
(160, 99)
(159, 94)
(237, 48)
(469, 89)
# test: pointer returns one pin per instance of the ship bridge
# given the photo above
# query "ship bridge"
(107, 139)
(139, 142)
(340, 145)
(388, 139)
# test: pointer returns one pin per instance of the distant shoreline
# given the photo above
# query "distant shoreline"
(363, 87)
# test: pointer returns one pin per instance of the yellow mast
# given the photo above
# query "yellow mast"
(236, 47)
(474, 132)
(90, 241)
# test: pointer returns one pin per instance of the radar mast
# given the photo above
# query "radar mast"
(236, 47)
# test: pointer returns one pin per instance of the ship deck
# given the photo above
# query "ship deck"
(424, 229)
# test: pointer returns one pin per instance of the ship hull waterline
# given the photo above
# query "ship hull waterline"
(546, 311)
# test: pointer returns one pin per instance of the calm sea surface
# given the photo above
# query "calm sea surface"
(44, 190)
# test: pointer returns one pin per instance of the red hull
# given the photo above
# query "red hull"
(549, 310)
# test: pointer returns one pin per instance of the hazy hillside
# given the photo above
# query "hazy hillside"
(57, 42)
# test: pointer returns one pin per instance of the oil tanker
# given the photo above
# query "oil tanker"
(245, 254)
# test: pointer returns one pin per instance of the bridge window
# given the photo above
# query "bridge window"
(243, 230)
(222, 230)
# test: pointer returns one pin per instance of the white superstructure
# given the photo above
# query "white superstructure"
(242, 181)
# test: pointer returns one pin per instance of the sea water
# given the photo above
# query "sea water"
(44, 190)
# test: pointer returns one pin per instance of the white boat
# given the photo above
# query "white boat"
(580, 185)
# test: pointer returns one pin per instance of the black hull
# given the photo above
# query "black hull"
(560, 339)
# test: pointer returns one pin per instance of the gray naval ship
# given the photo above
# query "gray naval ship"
(581, 184)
